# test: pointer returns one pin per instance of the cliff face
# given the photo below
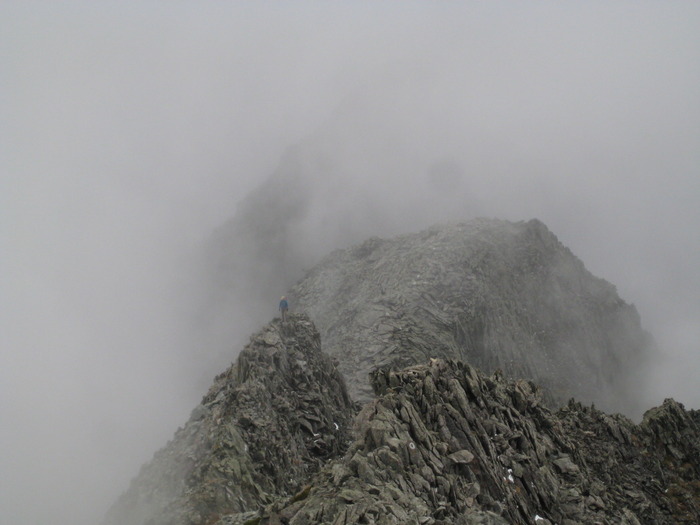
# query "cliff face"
(495, 294)
(277, 441)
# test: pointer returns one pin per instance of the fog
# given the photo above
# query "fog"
(130, 131)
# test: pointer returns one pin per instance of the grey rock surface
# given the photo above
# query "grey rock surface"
(267, 423)
(277, 441)
(443, 443)
(496, 294)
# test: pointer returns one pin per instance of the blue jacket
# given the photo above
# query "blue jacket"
(284, 305)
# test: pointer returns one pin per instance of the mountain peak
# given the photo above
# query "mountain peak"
(496, 294)
(272, 418)
(443, 394)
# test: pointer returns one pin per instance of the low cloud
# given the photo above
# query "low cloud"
(130, 133)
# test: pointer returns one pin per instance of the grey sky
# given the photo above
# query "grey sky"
(129, 131)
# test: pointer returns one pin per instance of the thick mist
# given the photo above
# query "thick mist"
(130, 133)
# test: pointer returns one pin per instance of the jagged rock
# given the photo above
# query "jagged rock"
(274, 442)
(499, 295)
(429, 451)
(266, 424)
(410, 321)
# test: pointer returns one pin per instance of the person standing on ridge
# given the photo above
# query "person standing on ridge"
(284, 306)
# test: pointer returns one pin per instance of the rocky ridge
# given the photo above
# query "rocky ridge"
(443, 443)
(277, 441)
(270, 420)
(496, 294)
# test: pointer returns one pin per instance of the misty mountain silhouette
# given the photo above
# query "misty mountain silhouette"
(382, 414)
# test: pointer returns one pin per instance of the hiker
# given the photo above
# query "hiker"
(284, 306)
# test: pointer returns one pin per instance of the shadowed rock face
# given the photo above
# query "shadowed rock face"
(266, 424)
(496, 294)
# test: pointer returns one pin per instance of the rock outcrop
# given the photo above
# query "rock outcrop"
(420, 434)
(498, 295)
(277, 441)
(269, 421)
(444, 444)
